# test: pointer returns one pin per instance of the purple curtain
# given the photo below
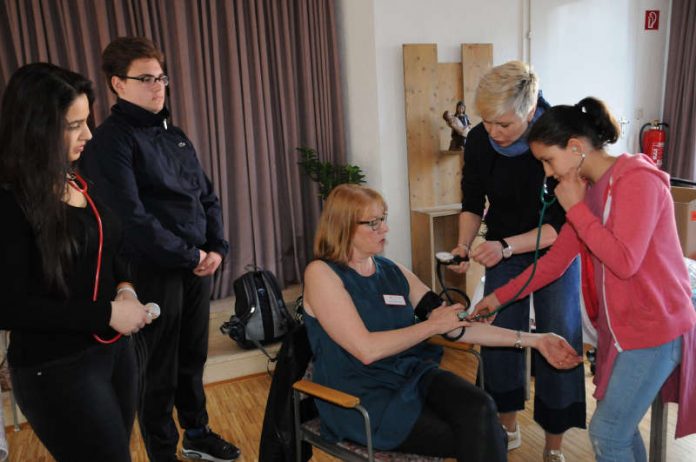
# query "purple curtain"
(680, 91)
(251, 80)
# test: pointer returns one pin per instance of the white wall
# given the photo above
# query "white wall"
(598, 48)
(578, 47)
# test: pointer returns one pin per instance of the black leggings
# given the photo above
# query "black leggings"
(82, 407)
(458, 420)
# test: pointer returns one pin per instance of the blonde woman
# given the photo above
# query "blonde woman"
(500, 168)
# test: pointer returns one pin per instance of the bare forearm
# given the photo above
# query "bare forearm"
(493, 336)
(381, 345)
(469, 224)
(526, 242)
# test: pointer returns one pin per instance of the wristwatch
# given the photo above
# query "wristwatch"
(507, 248)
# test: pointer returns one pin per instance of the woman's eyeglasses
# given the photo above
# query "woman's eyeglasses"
(375, 224)
(148, 80)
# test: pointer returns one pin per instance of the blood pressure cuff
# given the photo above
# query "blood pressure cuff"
(427, 303)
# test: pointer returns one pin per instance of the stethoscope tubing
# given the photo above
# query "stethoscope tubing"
(82, 188)
(545, 204)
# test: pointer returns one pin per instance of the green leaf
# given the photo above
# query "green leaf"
(328, 175)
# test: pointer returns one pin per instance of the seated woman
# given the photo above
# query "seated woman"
(360, 323)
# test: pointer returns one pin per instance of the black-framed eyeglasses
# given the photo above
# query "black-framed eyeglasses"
(376, 223)
(148, 79)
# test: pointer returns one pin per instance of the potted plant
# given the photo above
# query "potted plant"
(327, 174)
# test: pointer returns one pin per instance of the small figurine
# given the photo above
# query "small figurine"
(460, 125)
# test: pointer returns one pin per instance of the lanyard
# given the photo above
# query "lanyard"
(79, 184)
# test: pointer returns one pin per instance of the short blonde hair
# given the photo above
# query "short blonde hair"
(512, 85)
(339, 219)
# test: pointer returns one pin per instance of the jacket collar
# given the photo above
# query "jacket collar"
(139, 116)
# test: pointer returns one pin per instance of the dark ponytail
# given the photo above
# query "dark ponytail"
(589, 119)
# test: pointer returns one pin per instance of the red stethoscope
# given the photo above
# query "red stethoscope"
(78, 183)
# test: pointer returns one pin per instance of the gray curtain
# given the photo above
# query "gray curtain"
(680, 91)
(251, 80)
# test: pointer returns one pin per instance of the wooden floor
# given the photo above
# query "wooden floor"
(236, 412)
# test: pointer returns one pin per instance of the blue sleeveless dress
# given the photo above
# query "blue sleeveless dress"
(389, 388)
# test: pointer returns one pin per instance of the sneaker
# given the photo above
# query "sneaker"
(514, 438)
(553, 455)
(210, 447)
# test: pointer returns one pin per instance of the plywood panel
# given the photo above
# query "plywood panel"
(449, 91)
(477, 59)
(447, 168)
(430, 88)
(437, 231)
(421, 248)
(422, 139)
(445, 230)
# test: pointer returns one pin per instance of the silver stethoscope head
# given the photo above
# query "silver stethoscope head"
(153, 310)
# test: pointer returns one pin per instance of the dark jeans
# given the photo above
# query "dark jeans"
(458, 420)
(82, 406)
(559, 398)
(172, 351)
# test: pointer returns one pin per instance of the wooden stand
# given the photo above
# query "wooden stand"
(434, 172)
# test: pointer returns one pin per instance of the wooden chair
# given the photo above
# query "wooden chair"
(309, 431)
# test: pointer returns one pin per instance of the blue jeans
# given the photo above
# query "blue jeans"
(559, 401)
(635, 380)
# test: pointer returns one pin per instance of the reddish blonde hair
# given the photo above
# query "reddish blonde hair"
(342, 210)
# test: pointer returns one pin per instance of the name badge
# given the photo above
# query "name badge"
(394, 300)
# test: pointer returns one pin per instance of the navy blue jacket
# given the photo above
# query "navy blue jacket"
(148, 172)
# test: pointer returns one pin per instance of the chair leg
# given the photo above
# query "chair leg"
(528, 373)
(368, 432)
(479, 369)
(15, 417)
(298, 428)
(658, 431)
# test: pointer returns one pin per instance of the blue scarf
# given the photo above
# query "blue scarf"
(521, 146)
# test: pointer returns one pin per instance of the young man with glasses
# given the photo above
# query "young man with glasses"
(147, 171)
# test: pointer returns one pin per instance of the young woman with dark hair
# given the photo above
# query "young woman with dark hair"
(65, 289)
(620, 212)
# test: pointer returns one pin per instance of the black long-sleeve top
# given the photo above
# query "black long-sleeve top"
(44, 325)
(147, 171)
(511, 184)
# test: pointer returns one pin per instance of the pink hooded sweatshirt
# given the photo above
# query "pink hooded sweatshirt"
(644, 291)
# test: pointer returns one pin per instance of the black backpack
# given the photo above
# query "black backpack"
(260, 315)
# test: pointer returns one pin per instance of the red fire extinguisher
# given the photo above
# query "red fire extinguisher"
(652, 140)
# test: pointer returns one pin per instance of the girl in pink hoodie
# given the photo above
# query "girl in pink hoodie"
(619, 211)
